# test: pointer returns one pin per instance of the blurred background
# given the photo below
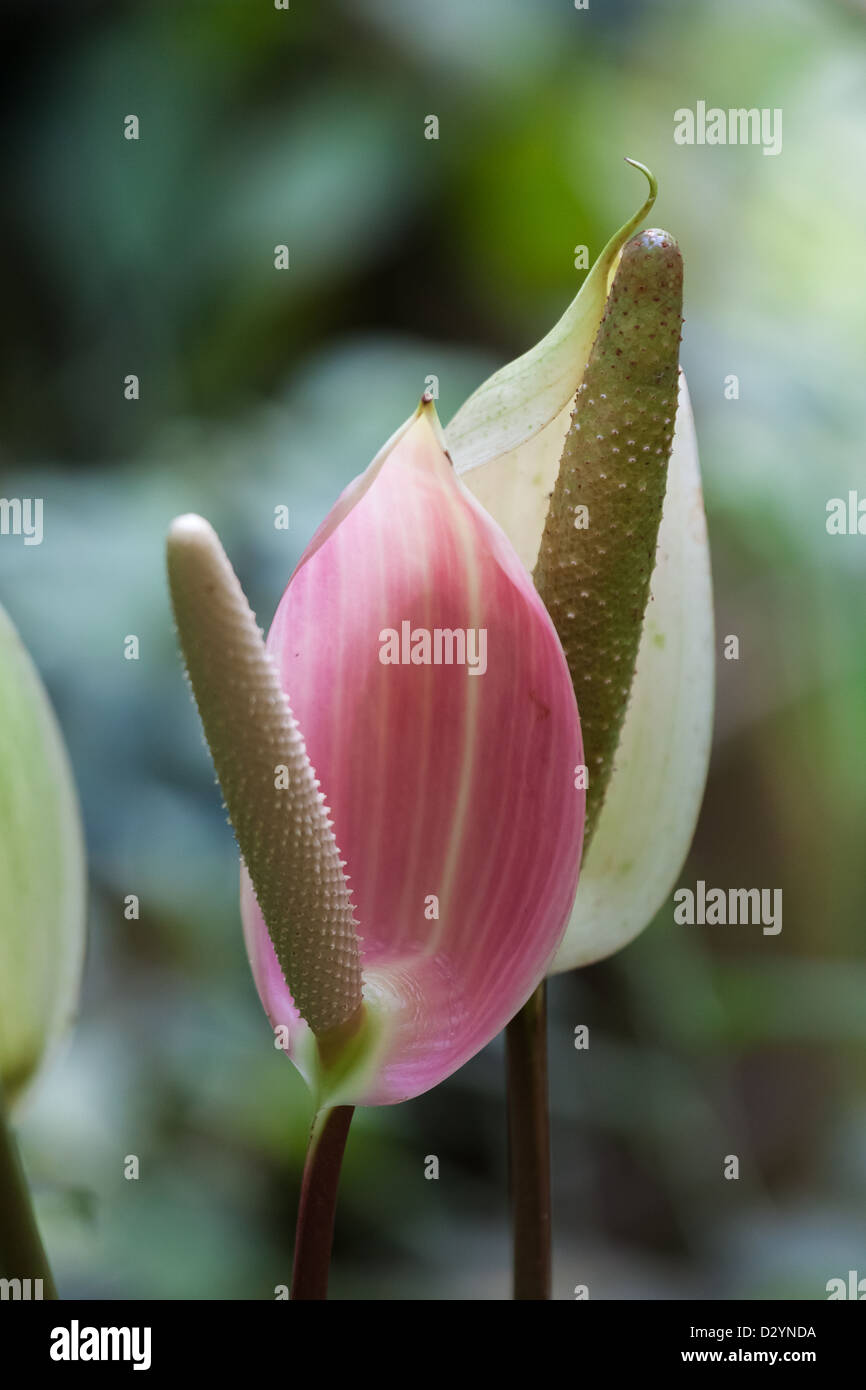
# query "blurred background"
(258, 388)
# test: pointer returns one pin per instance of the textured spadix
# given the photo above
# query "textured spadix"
(42, 871)
(271, 792)
(599, 543)
(648, 818)
(452, 790)
(633, 857)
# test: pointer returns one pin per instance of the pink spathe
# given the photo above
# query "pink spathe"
(452, 790)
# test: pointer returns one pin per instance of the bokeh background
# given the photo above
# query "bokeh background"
(411, 257)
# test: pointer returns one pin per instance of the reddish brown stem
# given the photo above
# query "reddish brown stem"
(315, 1229)
(529, 1146)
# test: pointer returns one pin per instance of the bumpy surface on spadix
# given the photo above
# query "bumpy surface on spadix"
(599, 542)
(42, 871)
(452, 793)
(648, 818)
(271, 791)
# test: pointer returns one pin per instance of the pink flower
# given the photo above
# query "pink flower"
(435, 712)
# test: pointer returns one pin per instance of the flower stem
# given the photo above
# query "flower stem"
(314, 1233)
(529, 1146)
(22, 1255)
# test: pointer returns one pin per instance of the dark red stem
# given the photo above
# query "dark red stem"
(529, 1146)
(315, 1229)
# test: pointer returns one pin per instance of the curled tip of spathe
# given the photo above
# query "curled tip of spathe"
(650, 176)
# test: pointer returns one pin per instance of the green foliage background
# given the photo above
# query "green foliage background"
(257, 388)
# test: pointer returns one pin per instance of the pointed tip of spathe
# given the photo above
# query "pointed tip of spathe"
(427, 411)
